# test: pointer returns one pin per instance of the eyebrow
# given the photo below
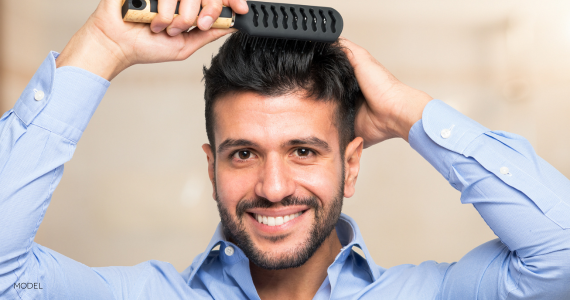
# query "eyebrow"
(309, 141)
(231, 143)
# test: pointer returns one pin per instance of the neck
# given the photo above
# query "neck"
(297, 283)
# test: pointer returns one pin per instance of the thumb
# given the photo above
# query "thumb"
(196, 39)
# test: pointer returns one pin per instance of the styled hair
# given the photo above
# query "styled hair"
(322, 73)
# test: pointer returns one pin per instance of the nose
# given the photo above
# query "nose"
(275, 180)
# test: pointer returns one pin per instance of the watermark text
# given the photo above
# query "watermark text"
(28, 286)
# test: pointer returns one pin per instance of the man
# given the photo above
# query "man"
(285, 139)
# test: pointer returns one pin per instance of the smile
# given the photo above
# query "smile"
(276, 221)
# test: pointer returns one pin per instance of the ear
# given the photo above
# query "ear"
(211, 164)
(352, 165)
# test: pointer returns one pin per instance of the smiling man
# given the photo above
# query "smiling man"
(279, 170)
(286, 131)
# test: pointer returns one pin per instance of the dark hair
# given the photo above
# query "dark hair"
(322, 73)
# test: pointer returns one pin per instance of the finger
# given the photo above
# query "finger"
(361, 60)
(187, 14)
(196, 39)
(238, 6)
(166, 9)
(350, 49)
(211, 10)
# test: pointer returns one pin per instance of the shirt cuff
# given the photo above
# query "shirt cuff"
(443, 129)
(61, 100)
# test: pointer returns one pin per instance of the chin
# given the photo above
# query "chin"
(277, 252)
(258, 227)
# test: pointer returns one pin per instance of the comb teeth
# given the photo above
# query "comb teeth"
(274, 44)
(290, 22)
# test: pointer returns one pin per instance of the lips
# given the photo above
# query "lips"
(275, 221)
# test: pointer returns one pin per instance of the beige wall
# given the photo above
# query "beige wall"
(137, 187)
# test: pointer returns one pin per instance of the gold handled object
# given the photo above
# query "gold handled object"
(144, 11)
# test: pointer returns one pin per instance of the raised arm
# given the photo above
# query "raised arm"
(41, 132)
(524, 200)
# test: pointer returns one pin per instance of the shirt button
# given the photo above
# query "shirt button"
(229, 251)
(39, 96)
(504, 170)
(446, 133)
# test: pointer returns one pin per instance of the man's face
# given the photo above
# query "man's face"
(278, 176)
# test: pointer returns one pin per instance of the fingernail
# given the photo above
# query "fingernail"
(173, 31)
(206, 22)
(155, 29)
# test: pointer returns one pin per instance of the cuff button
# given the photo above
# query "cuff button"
(446, 133)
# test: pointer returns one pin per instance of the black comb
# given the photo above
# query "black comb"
(266, 24)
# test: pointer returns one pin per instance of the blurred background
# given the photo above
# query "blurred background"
(137, 187)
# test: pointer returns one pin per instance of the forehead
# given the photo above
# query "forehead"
(272, 120)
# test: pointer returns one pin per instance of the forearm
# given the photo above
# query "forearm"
(36, 138)
(521, 197)
(497, 170)
(90, 50)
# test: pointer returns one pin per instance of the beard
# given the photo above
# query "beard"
(325, 219)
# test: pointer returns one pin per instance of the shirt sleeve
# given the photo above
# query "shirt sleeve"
(36, 138)
(524, 200)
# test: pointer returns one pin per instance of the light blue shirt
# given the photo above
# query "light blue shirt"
(522, 198)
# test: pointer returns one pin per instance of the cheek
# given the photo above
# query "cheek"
(321, 181)
(232, 186)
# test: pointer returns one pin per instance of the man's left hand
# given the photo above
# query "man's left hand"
(390, 108)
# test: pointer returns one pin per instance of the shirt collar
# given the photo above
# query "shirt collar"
(349, 236)
(347, 231)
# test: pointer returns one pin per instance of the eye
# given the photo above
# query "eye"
(304, 152)
(243, 155)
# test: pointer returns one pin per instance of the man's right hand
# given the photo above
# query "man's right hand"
(106, 45)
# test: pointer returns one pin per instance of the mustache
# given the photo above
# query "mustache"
(260, 202)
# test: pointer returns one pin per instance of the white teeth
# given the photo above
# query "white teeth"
(271, 221)
(275, 221)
